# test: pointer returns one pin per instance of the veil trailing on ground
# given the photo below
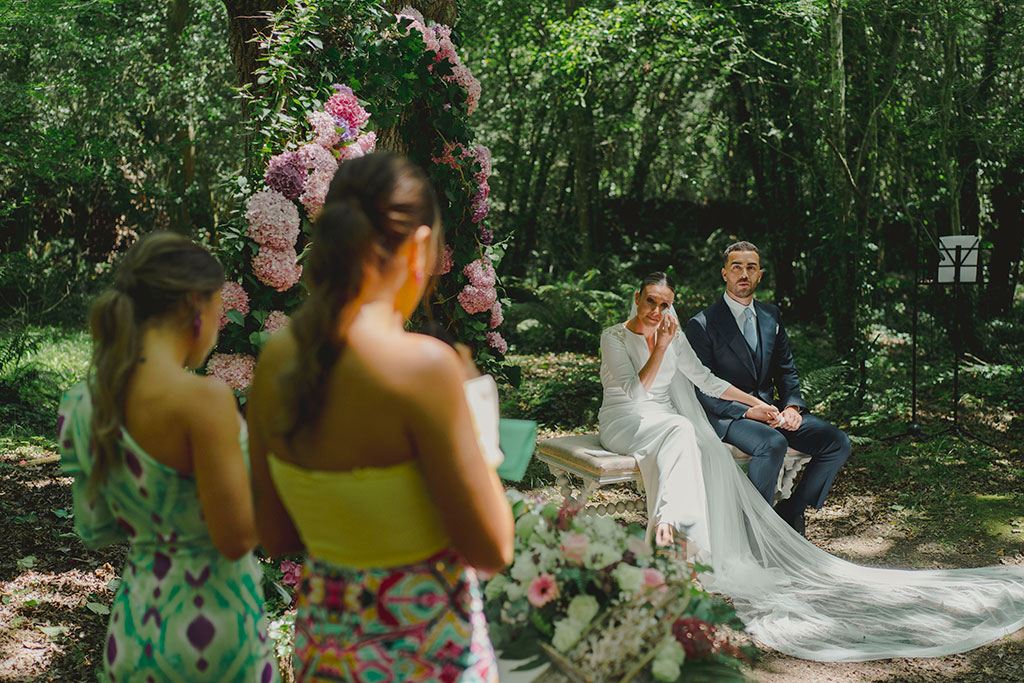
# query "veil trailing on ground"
(800, 600)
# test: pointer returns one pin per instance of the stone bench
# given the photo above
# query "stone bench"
(584, 457)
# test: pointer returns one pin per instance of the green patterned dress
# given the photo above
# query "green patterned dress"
(183, 612)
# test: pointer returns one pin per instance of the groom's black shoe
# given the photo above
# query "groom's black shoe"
(794, 518)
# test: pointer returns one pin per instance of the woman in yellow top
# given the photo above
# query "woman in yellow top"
(364, 453)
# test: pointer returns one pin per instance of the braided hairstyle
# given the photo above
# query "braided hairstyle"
(163, 273)
(374, 204)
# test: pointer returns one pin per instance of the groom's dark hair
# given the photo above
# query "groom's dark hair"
(657, 278)
(742, 245)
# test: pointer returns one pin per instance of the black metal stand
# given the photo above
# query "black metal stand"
(914, 430)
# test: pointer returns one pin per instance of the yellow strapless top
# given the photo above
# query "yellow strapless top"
(371, 517)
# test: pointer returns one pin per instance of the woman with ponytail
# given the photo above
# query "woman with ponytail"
(365, 454)
(157, 456)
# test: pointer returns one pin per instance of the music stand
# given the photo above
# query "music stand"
(958, 265)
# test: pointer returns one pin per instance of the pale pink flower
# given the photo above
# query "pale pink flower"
(362, 146)
(316, 158)
(486, 236)
(639, 547)
(233, 297)
(325, 130)
(276, 320)
(419, 24)
(477, 299)
(235, 369)
(273, 220)
(483, 157)
(574, 547)
(464, 77)
(480, 273)
(497, 342)
(653, 578)
(276, 268)
(497, 316)
(447, 157)
(543, 590)
(315, 192)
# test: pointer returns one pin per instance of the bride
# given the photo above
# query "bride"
(792, 596)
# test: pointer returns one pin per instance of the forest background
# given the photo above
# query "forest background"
(842, 137)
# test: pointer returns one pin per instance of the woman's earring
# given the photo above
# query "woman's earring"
(197, 326)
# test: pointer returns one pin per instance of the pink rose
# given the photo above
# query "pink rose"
(574, 547)
(653, 578)
(543, 590)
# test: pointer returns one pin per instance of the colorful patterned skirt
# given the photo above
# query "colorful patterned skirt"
(417, 622)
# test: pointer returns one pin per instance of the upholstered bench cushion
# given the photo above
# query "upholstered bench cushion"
(583, 455)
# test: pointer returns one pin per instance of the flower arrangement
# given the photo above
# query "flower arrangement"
(593, 597)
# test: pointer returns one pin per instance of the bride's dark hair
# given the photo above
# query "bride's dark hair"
(657, 278)
(374, 204)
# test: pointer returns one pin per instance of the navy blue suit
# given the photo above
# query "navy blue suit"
(769, 373)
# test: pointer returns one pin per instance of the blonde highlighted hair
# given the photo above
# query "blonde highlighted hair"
(161, 274)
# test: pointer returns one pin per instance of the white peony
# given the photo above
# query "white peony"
(601, 554)
(629, 578)
(547, 558)
(495, 586)
(515, 590)
(582, 608)
(523, 569)
(567, 632)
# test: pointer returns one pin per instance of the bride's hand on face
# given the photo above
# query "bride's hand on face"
(666, 331)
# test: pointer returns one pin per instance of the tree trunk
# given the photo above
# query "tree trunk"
(181, 159)
(1008, 237)
(247, 21)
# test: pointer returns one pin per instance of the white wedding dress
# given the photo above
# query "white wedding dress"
(792, 596)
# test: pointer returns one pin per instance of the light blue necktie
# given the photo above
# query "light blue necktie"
(749, 332)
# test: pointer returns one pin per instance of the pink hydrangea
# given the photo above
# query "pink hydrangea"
(364, 144)
(235, 369)
(345, 108)
(483, 157)
(477, 299)
(325, 131)
(480, 211)
(446, 48)
(574, 547)
(447, 157)
(464, 77)
(315, 192)
(286, 175)
(480, 273)
(486, 236)
(276, 268)
(276, 321)
(497, 315)
(442, 31)
(497, 342)
(447, 261)
(233, 297)
(273, 220)
(316, 158)
(420, 24)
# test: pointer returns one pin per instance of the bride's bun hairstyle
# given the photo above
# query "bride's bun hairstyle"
(162, 275)
(374, 204)
(657, 278)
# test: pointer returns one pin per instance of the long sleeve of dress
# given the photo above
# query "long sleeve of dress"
(94, 522)
(697, 372)
(616, 367)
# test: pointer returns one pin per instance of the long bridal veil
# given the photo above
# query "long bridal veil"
(798, 599)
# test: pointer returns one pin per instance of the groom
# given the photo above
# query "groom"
(742, 341)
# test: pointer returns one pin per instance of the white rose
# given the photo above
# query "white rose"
(582, 609)
(547, 559)
(515, 591)
(567, 632)
(629, 578)
(495, 586)
(523, 569)
(668, 662)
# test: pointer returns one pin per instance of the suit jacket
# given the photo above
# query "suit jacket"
(771, 375)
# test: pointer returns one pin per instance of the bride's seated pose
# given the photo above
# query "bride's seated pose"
(792, 596)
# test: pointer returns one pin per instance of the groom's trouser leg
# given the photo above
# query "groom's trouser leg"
(767, 449)
(829, 448)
